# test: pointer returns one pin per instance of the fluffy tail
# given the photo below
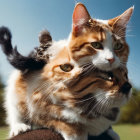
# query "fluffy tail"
(14, 57)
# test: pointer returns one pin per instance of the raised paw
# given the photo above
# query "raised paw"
(19, 128)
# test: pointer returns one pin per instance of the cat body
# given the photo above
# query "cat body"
(81, 88)
(54, 107)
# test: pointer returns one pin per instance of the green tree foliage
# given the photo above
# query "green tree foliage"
(2, 112)
(131, 112)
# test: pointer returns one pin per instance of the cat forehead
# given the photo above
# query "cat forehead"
(99, 25)
(102, 21)
(102, 26)
(96, 30)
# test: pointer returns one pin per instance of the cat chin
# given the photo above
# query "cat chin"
(118, 101)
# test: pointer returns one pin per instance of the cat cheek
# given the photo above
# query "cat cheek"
(99, 63)
(116, 62)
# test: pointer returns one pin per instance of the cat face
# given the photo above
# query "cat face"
(101, 42)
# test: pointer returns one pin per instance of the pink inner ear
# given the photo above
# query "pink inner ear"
(80, 15)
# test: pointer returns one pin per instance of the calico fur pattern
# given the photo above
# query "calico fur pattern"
(81, 101)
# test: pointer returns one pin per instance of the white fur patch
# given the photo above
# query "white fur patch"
(56, 47)
(18, 128)
(11, 101)
(72, 116)
(102, 21)
(6, 37)
(97, 126)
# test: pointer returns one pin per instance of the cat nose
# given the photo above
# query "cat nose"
(111, 60)
(125, 88)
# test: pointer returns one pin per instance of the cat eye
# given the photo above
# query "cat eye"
(118, 46)
(66, 67)
(97, 45)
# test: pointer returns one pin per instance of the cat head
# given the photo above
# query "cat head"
(87, 70)
(101, 42)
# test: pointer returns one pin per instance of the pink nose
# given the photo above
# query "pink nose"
(111, 60)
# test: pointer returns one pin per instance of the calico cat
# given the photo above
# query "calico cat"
(39, 56)
(84, 83)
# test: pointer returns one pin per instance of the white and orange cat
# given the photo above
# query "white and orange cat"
(84, 83)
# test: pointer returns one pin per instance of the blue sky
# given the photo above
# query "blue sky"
(26, 18)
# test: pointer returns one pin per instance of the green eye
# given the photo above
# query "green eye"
(118, 46)
(66, 67)
(97, 45)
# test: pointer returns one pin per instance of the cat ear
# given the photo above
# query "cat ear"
(80, 17)
(119, 23)
(45, 37)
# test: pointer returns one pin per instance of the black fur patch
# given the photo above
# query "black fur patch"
(103, 136)
(23, 63)
(113, 114)
(5, 40)
(14, 57)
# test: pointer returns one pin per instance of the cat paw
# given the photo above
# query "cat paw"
(19, 128)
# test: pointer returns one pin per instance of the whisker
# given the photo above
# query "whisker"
(84, 100)
(96, 105)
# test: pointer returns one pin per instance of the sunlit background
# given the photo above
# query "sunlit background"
(27, 18)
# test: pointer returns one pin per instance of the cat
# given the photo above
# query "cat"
(37, 55)
(84, 83)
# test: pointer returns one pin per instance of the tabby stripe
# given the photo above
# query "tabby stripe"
(86, 86)
(80, 47)
(102, 35)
